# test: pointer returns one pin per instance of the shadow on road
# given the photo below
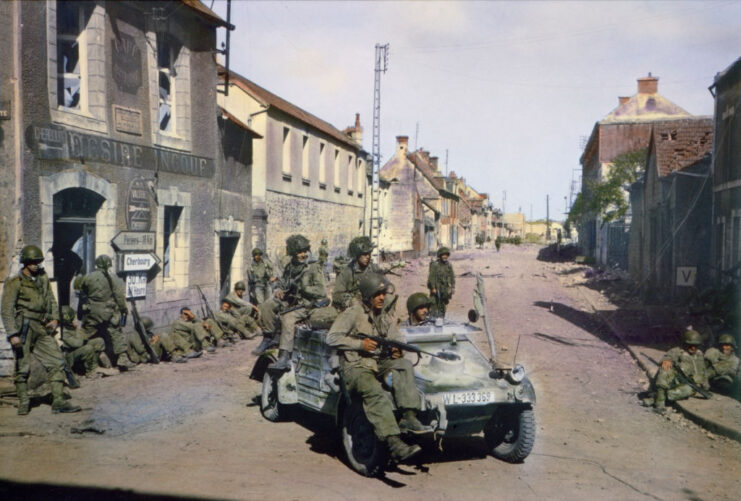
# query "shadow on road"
(12, 491)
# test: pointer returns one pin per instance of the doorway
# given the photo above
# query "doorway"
(74, 237)
(228, 241)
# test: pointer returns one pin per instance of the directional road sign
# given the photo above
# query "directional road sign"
(139, 261)
(133, 241)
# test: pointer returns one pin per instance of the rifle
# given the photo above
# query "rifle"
(390, 270)
(139, 328)
(209, 311)
(388, 344)
(321, 303)
(683, 379)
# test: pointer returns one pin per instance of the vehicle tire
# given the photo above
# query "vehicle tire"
(365, 453)
(271, 409)
(510, 435)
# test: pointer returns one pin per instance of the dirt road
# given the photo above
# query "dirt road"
(194, 430)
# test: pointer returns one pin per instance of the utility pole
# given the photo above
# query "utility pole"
(381, 59)
(446, 162)
(504, 201)
(416, 136)
(547, 217)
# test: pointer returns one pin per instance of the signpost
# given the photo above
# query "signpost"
(138, 261)
(136, 284)
(134, 241)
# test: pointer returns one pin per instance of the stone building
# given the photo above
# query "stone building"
(670, 226)
(110, 145)
(625, 129)
(307, 176)
(727, 173)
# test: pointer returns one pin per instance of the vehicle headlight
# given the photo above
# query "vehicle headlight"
(517, 374)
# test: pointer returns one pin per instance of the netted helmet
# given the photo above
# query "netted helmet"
(239, 286)
(443, 250)
(692, 337)
(727, 339)
(324, 241)
(103, 262)
(256, 252)
(418, 300)
(371, 284)
(68, 314)
(31, 254)
(359, 246)
(296, 244)
(147, 323)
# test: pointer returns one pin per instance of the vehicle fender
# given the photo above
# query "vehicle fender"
(287, 389)
(525, 392)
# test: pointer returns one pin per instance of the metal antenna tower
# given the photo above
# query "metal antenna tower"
(375, 217)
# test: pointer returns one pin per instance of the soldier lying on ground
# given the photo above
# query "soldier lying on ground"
(363, 366)
(722, 364)
(82, 354)
(689, 359)
(418, 307)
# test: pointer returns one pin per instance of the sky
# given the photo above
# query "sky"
(510, 90)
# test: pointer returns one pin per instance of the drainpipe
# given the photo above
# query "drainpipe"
(17, 126)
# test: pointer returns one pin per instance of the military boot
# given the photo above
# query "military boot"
(24, 402)
(59, 404)
(660, 401)
(123, 363)
(104, 361)
(283, 363)
(409, 423)
(399, 450)
(266, 343)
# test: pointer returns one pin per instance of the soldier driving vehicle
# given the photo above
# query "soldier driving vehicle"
(418, 308)
(30, 316)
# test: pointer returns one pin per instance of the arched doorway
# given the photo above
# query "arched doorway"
(73, 244)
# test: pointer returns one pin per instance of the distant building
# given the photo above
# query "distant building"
(625, 129)
(513, 225)
(727, 173)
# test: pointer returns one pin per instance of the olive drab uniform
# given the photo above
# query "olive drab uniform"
(692, 365)
(193, 333)
(362, 371)
(78, 350)
(722, 369)
(441, 279)
(243, 312)
(346, 290)
(102, 310)
(303, 284)
(258, 276)
(28, 304)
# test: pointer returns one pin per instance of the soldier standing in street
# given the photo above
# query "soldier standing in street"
(346, 284)
(418, 307)
(301, 286)
(29, 313)
(323, 256)
(691, 362)
(259, 276)
(104, 305)
(363, 367)
(441, 282)
(722, 364)
(76, 348)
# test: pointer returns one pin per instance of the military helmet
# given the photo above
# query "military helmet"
(443, 250)
(103, 262)
(68, 314)
(418, 300)
(239, 286)
(359, 246)
(324, 241)
(691, 337)
(147, 323)
(727, 338)
(31, 254)
(371, 284)
(256, 252)
(296, 244)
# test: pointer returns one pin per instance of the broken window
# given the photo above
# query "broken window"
(166, 56)
(172, 216)
(70, 25)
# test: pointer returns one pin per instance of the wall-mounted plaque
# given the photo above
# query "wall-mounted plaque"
(139, 205)
(127, 120)
(127, 63)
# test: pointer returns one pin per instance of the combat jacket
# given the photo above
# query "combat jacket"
(72, 336)
(442, 278)
(29, 297)
(323, 255)
(347, 283)
(720, 364)
(303, 283)
(692, 365)
(98, 289)
(359, 319)
(244, 308)
(260, 273)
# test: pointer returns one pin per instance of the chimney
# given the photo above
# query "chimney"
(622, 100)
(648, 85)
(402, 143)
(433, 161)
(355, 132)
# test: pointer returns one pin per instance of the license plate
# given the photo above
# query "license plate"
(482, 397)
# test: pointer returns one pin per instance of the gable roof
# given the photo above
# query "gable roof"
(271, 100)
(206, 13)
(680, 143)
(239, 123)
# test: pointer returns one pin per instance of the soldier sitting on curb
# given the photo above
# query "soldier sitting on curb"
(77, 348)
(194, 330)
(137, 352)
(244, 311)
(418, 307)
(722, 364)
(229, 322)
(688, 358)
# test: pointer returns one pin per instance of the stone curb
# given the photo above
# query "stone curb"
(696, 418)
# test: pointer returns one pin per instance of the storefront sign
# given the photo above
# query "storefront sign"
(127, 63)
(132, 241)
(139, 262)
(136, 284)
(61, 144)
(139, 205)
(127, 120)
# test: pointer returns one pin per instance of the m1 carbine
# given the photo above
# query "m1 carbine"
(388, 344)
(139, 328)
(683, 378)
